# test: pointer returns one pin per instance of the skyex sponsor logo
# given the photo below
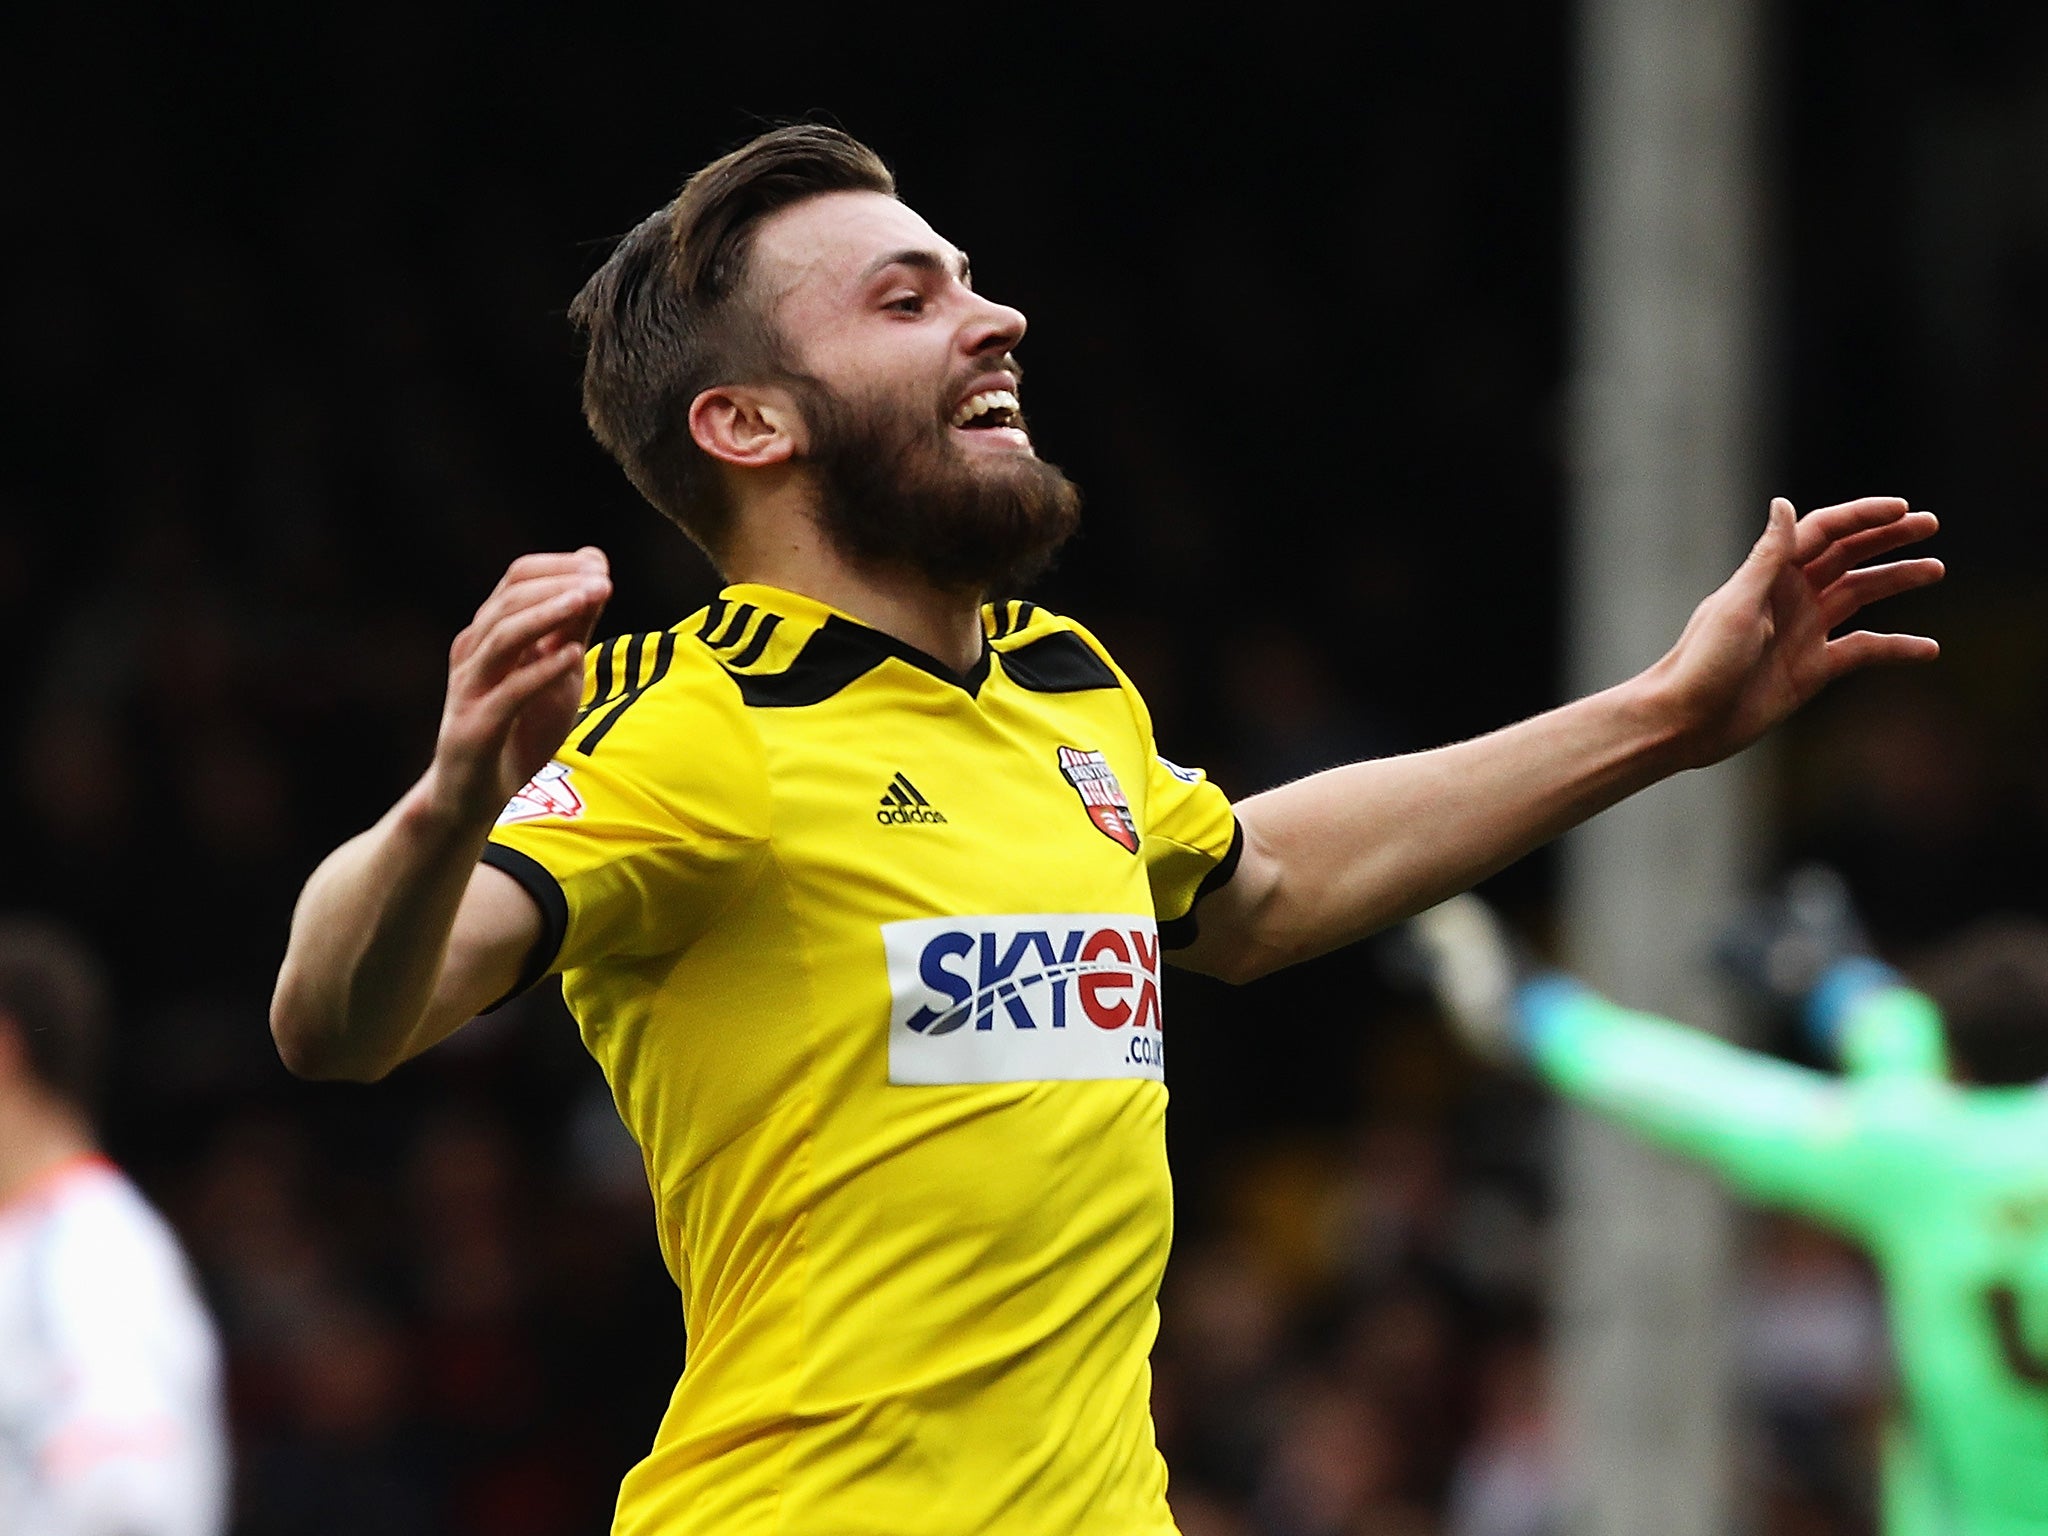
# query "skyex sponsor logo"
(1024, 997)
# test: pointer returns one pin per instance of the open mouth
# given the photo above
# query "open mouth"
(988, 409)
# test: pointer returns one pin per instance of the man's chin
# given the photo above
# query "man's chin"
(964, 517)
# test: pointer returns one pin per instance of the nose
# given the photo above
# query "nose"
(993, 329)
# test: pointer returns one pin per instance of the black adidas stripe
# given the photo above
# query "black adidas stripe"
(1007, 618)
(601, 682)
(735, 627)
(664, 654)
(758, 644)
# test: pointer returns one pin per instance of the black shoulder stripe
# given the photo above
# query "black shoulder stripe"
(624, 652)
(601, 682)
(734, 628)
(1180, 932)
(1008, 617)
(829, 660)
(664, 654)
(758, 644)
(712, 615)
(547, 895)
(1061, 662)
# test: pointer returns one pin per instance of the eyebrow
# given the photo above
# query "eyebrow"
(924, 261)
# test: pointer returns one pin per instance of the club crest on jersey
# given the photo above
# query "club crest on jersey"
(1101, 796)
(547, 793)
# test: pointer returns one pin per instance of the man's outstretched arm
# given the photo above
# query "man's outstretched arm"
(1333, 857)
(400, 936)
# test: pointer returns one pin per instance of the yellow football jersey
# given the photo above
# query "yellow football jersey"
(869, 953)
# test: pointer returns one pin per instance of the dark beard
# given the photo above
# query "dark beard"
(895, 493)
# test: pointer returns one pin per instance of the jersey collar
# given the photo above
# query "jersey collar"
(844, 626)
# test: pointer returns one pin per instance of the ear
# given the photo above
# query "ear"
(747, 426)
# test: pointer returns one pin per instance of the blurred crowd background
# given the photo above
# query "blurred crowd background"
(289, 381)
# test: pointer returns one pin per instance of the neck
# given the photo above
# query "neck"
(37, 1132)
(797, 558)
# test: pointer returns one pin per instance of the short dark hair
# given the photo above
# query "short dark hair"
(671, 313)
(1991, 984)
(54, 994)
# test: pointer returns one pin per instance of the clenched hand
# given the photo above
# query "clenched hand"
(515, 679)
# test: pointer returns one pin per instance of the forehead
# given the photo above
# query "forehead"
(830, 243)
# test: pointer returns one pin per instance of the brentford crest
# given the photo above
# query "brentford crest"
(1103, 798)
(547, 793)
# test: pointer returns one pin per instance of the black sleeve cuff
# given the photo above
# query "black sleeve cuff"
(554, 914)
(1180, 932)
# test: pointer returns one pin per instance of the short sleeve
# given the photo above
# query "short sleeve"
(1188, 834)
(639, 831)
(1191, 843)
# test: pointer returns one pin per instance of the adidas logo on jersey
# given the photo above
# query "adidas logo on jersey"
(902, 805)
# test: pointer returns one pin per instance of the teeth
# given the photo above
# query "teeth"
(987, 400)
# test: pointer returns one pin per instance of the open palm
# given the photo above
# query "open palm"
(1758, 647)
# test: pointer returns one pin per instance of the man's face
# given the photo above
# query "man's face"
(915, 433)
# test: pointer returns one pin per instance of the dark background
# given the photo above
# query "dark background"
(289, 382)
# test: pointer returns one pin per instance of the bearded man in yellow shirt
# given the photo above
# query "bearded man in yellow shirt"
(859, 883)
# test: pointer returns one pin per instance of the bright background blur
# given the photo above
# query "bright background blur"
(289, 382)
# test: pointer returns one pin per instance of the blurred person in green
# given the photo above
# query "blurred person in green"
(1930, 1149)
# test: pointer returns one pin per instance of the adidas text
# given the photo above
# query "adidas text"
(897, 815)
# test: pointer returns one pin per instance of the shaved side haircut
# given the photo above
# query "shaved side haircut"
(674, 312)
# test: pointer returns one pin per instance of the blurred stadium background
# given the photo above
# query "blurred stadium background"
(289, 382)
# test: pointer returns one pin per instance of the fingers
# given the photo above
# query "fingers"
(481, 728)
(534, 579)
(1781, 532)
(1864, 648)
(532, 575)
(560, 595)
(1819, 529)
(1768, 556)
(1853, 550)
(561, 608)
(535, 676)
(1840, 600)
(589, 559)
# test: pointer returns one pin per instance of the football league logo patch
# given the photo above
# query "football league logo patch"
(1101, 796)
(547, 793)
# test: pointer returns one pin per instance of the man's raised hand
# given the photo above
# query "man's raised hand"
(515, 679)
(1758, 648)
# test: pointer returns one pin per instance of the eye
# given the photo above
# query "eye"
(909, 304)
